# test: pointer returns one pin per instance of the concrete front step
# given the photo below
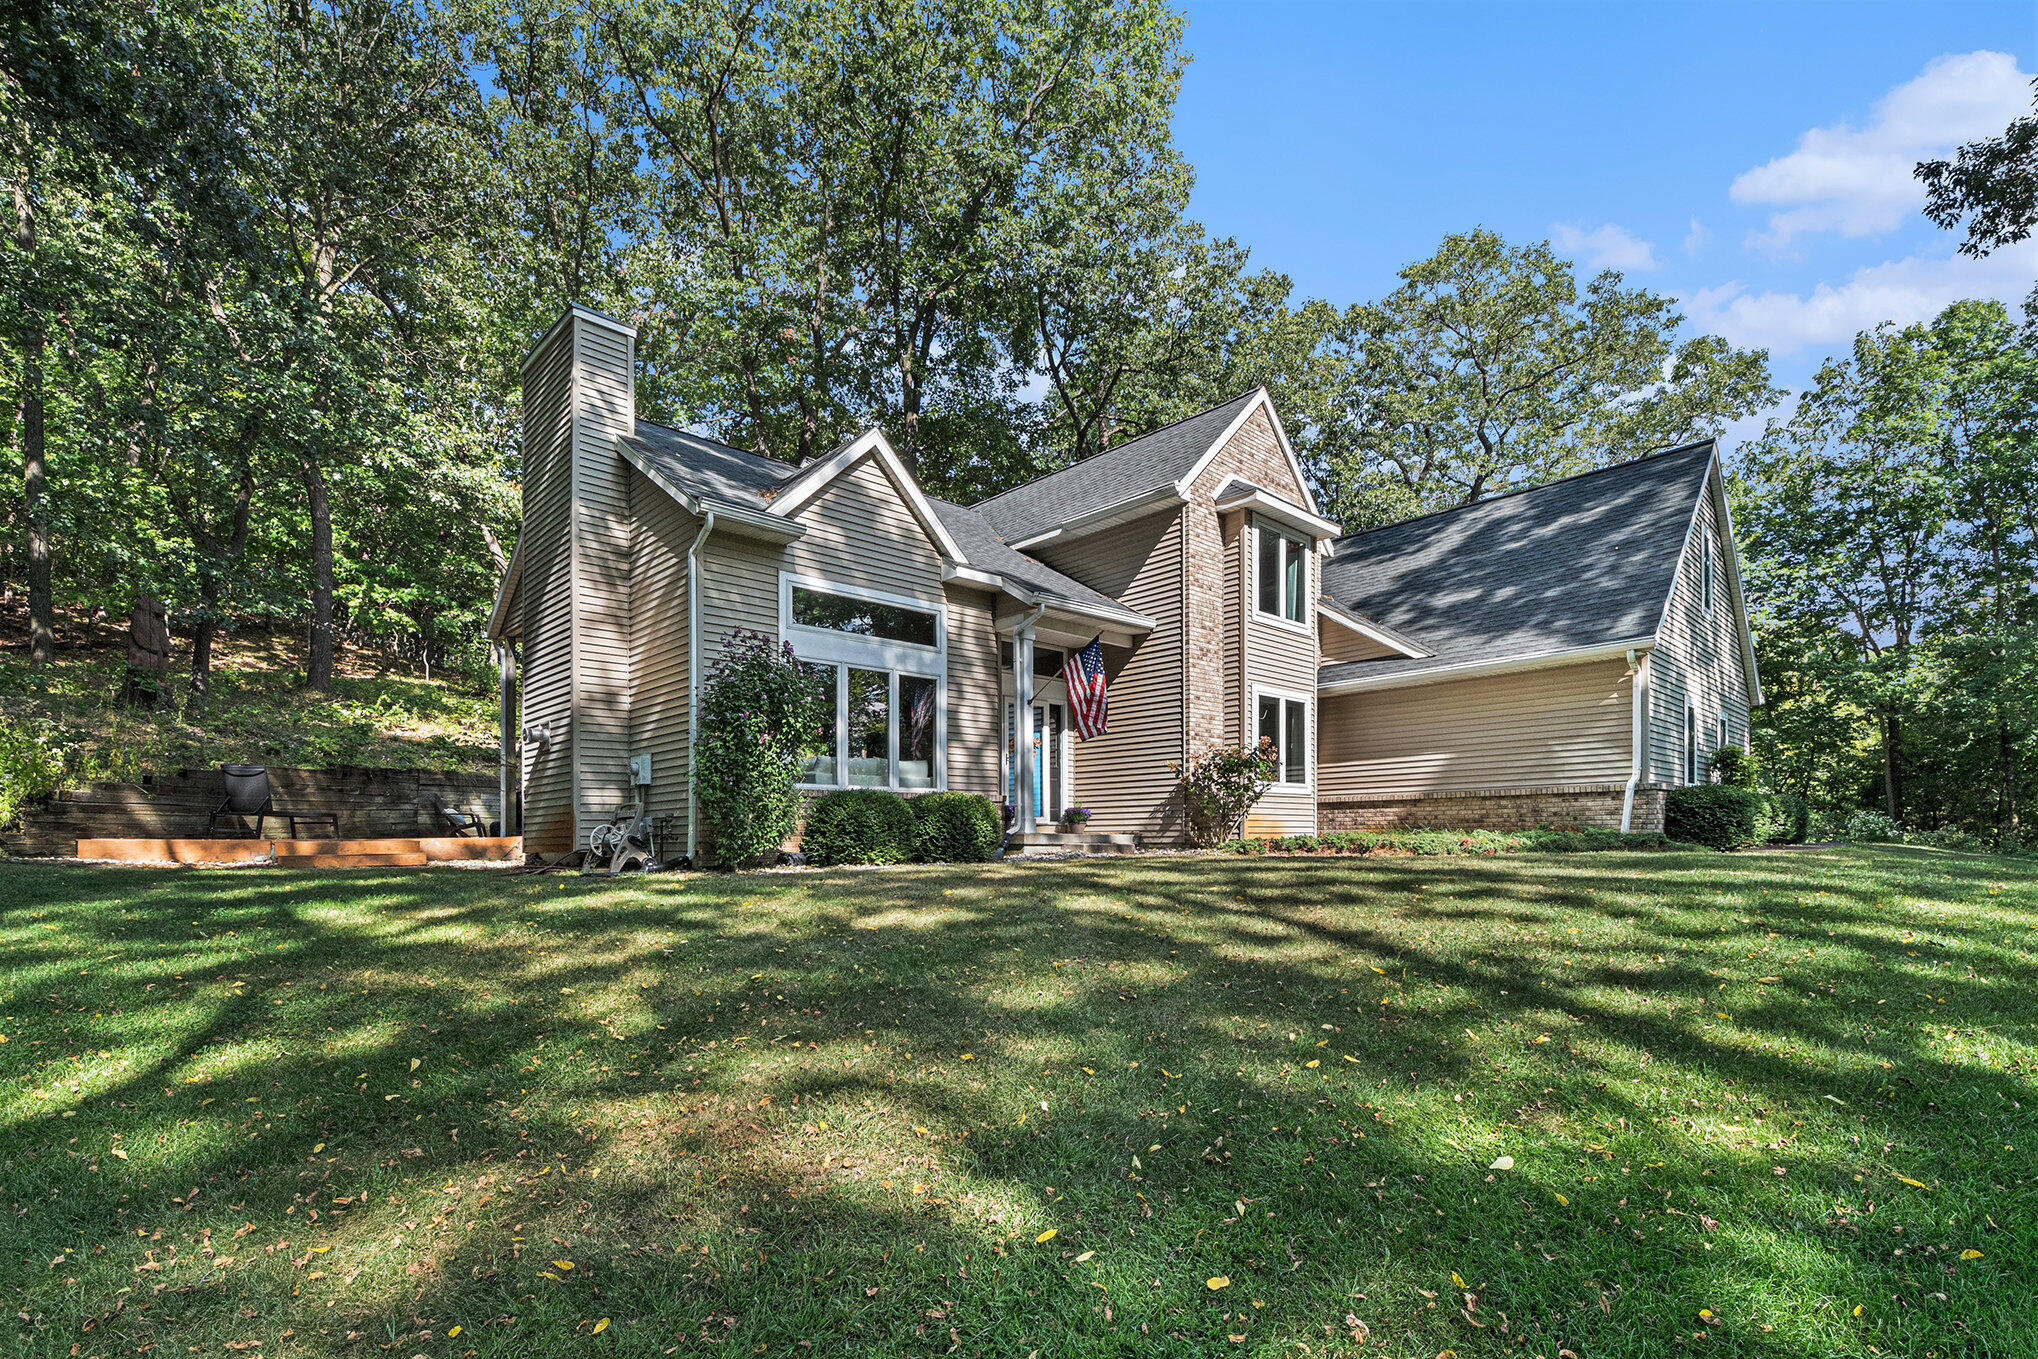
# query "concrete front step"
(1065, 842)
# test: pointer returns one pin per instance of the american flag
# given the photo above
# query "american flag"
(1085, 675)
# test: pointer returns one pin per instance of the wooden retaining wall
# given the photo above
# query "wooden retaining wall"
(371, 803)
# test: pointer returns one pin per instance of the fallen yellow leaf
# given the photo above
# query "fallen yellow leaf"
(601, 1326)
(562, 1264)
(1970, 1255)
(1560, 1198)
(1915, 1184)
(1047, 1235)
(1312, 1062)
(1216, 1281)
(415, 1064)
(1458, 1281)
(452, 1332)
(1084, 1256)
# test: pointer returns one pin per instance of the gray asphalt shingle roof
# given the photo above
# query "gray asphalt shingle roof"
(1132, 469)
(719, 472)
(703, 467)
(1580, 562)
(987, 552)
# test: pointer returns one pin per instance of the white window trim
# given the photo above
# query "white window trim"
(1252, 587)
(1726, 732)
(1252, 734)
(828, 646)
(1008, 704)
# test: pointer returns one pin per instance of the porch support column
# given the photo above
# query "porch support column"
(1023, 810)
(511, 774)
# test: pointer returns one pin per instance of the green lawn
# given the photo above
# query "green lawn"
(1768, 1103)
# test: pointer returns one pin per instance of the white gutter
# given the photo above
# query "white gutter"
(1467, 669)
(693, 680)
(1637, 678)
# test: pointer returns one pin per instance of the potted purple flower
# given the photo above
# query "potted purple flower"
(1075, 818)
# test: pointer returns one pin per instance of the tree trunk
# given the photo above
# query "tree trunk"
(2006, 755)
(212, 587)
(41, 603)
(318, 667)
(1892, 780)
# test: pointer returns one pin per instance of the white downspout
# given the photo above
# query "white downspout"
(693, 679)
(1023, 810)
(1635, 683)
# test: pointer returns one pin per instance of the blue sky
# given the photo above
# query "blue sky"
(1751, 160)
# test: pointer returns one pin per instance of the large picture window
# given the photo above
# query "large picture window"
(877, 660)
(1282, 574)
(1284, 720)
(862, 617)
(882, 729)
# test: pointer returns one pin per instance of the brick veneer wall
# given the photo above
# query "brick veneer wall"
(1498, 809)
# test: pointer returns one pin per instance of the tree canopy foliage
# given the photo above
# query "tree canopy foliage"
(1991, 184)
(1891, 527)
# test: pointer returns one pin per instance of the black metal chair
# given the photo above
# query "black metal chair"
(458, 822)
(248, 795)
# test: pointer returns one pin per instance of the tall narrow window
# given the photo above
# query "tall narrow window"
(916, 731)
(1724, 740)
(1690, 744)
(870, 728)
(1708, 570)
(1282, 571)
(1284, 722)
(819, 768)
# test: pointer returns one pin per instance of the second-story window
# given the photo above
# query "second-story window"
(1282, 574)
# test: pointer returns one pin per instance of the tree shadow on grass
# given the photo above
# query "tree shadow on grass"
(762, 1110)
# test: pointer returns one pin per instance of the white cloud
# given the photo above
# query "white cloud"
(1859, 181)
(1606, 247)
(1905, 291)
(1695, 239)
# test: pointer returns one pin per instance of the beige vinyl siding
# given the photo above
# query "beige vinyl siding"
(1123, 776)
(862, 533)
(545, 596)
(1336, 642)
(974, 739)
(660, 702)
(601, 622)
(1697, 656)
(738, 589)
(1536, 728)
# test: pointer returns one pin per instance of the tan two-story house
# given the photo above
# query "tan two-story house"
(1558, 655)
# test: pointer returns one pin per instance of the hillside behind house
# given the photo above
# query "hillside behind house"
(65, 724)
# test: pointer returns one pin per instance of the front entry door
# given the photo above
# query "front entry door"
(1046, 765)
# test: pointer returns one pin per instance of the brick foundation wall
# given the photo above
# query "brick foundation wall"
(1497, 809)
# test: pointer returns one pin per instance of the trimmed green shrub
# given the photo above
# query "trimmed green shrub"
(858, 826)
(1712, 814)
(960, 828)
(1783, 820)
(1737, 768)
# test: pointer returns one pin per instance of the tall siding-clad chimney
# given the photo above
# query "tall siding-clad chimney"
(579, 397)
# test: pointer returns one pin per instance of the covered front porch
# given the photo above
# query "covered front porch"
(1040, 752)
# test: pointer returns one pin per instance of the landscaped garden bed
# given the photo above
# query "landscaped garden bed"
(1542, 840)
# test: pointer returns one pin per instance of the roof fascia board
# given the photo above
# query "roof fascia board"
(1108, 517)
(1273, 507)
(1717, 483)
(1261, 397)
(744, 523)
(1540, 660)
(512, 575)
(812, 480)
(1371, 631)
(991, 580)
